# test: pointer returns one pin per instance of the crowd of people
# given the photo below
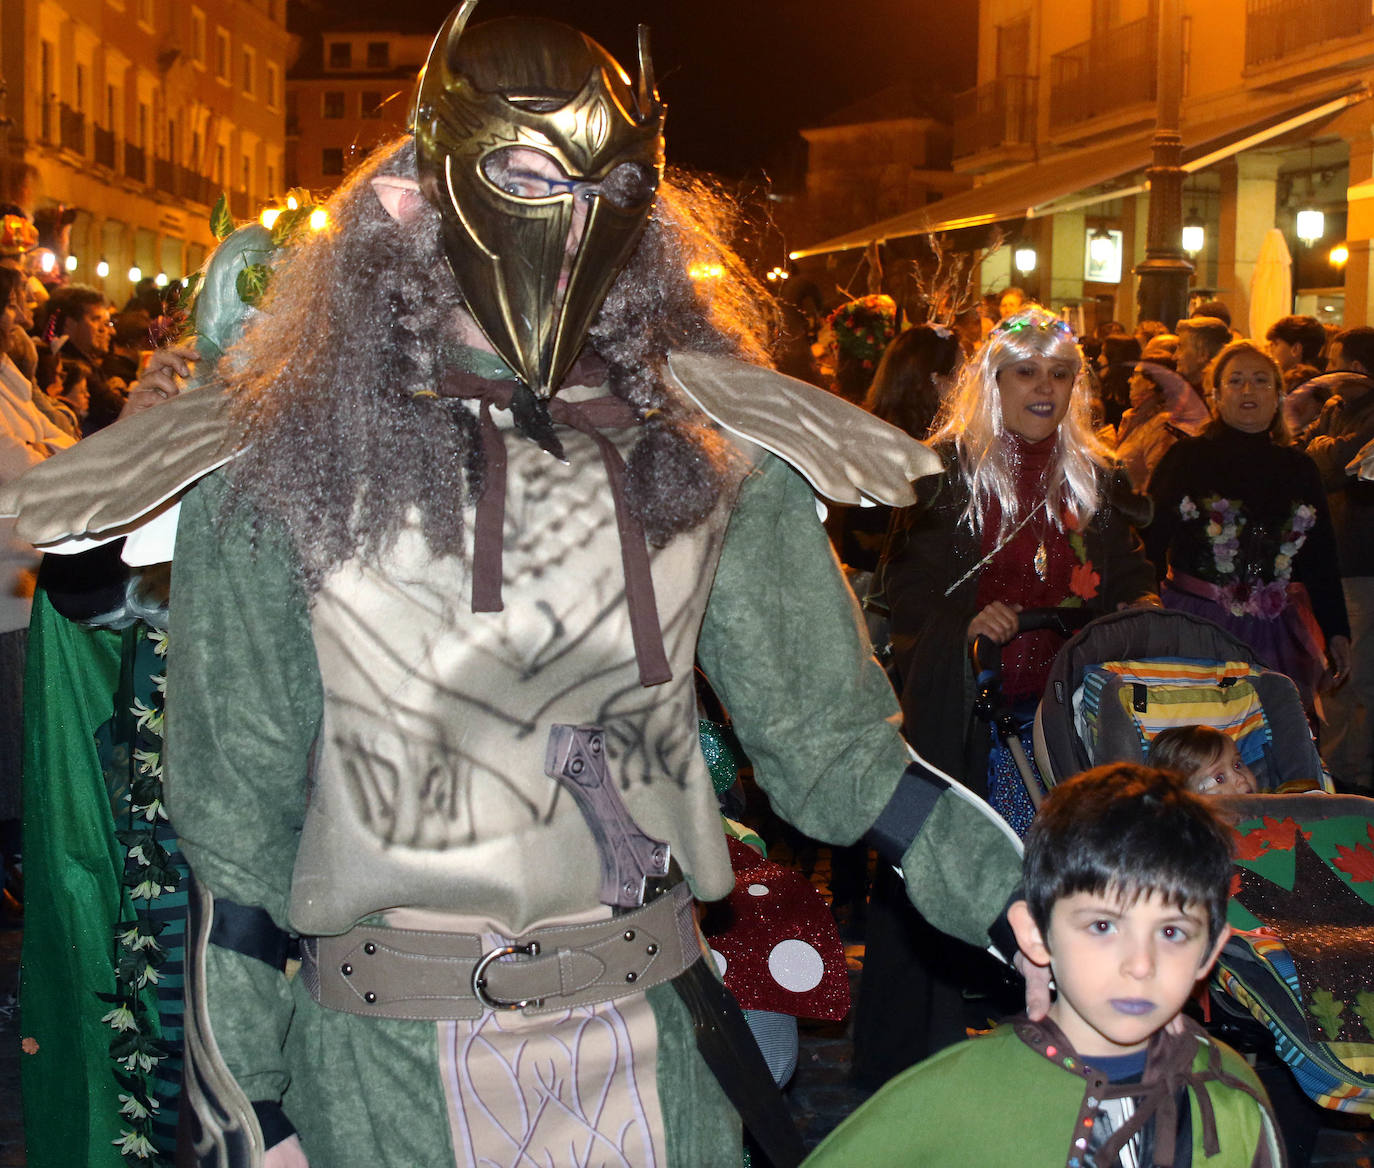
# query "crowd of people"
(459, 549)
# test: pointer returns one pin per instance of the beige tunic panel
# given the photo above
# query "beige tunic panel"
(429, 787)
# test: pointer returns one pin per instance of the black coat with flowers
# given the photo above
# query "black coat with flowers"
(928, 548)
(1264, 484)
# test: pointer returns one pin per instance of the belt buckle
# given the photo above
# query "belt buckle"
(479, 981)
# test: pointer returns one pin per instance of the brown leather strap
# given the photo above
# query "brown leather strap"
(589, 418)
(382, 972)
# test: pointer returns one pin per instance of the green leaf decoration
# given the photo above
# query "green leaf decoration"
(221, 221)
(188, 291)
(1327, 1009)
(252, 283)
(288, 223)
(1364, 1007)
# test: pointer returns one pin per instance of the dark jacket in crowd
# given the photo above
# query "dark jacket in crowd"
(1346, 423)
(928, 549)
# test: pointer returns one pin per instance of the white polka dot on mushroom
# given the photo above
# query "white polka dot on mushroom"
(796, 966)
(719, 958)
(758, 890)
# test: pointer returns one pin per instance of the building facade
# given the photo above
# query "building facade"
(1274, 120)
(136, 115)
(349, 90)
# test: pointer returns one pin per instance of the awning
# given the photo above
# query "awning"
(1080, 178)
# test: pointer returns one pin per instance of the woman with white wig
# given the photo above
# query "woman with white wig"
(1030, 512)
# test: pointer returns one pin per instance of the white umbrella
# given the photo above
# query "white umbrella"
(1271, 284)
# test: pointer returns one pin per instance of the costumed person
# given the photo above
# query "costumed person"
(1030, 512)
(101, 968)
(859, 331)
(495, 475)
(1242, 527)
(1127, 879)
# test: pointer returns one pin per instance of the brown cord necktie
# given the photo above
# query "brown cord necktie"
(589, 418)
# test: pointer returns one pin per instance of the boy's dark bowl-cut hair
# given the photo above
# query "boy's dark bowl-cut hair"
(1130, 829)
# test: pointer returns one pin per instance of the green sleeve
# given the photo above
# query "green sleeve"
(784, 646)
(244, 705)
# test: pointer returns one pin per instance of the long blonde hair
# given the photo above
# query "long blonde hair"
(972, 421)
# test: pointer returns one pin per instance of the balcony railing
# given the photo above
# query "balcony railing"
(72, 123)
(1111, 72)
(1275, 29)
(999, 113)
(135, 162)
(103, 141)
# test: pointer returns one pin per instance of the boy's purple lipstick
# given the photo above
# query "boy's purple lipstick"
(1132, 1005)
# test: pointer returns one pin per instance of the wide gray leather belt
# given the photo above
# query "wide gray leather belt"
(412, 973)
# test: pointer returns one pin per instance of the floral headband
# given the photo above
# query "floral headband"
(1039, 321)
(863, 328)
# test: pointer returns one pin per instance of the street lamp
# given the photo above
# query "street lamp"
(1024, 260)
(71, 263)
(1194, 234)
(1339, 254)
(1311, 225)
(102, 269)
(135, 274)
(1101, 249)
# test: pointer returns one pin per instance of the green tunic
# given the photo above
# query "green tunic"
(996, 1103)
(781, 640)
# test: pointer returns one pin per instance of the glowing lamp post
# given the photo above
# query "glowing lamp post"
(1311, 225)
(1194, 237)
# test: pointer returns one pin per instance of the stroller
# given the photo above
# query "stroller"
(1302, 903)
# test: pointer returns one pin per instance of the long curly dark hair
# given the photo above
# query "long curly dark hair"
(359, 317)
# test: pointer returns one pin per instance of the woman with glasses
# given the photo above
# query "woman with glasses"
(1241, 530)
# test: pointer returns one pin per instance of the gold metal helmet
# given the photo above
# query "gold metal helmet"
(526, 129)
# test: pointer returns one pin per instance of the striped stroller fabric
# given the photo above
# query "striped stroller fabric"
(1129, 702)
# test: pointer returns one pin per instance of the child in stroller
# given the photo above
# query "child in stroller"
(1207, 759)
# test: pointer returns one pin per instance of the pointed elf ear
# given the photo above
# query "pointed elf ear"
(400, 196)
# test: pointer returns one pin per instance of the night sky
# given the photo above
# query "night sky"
(742, 76)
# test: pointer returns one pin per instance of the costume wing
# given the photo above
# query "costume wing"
(126, 476)
(845, 453)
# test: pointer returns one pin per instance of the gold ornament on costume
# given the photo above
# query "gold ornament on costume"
(535, 85)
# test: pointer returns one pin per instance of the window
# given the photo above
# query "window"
(247, 173)
(271, 179)
(378, 55)
(143, 114)
(145, 13)
(340, 55)
(273, 94)
(221, 164)
(111, 107)
(250, 69)
(80, 102)
(331, 160)
(198, 37)
(333, 103)
(371, 103)
(222, 54)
